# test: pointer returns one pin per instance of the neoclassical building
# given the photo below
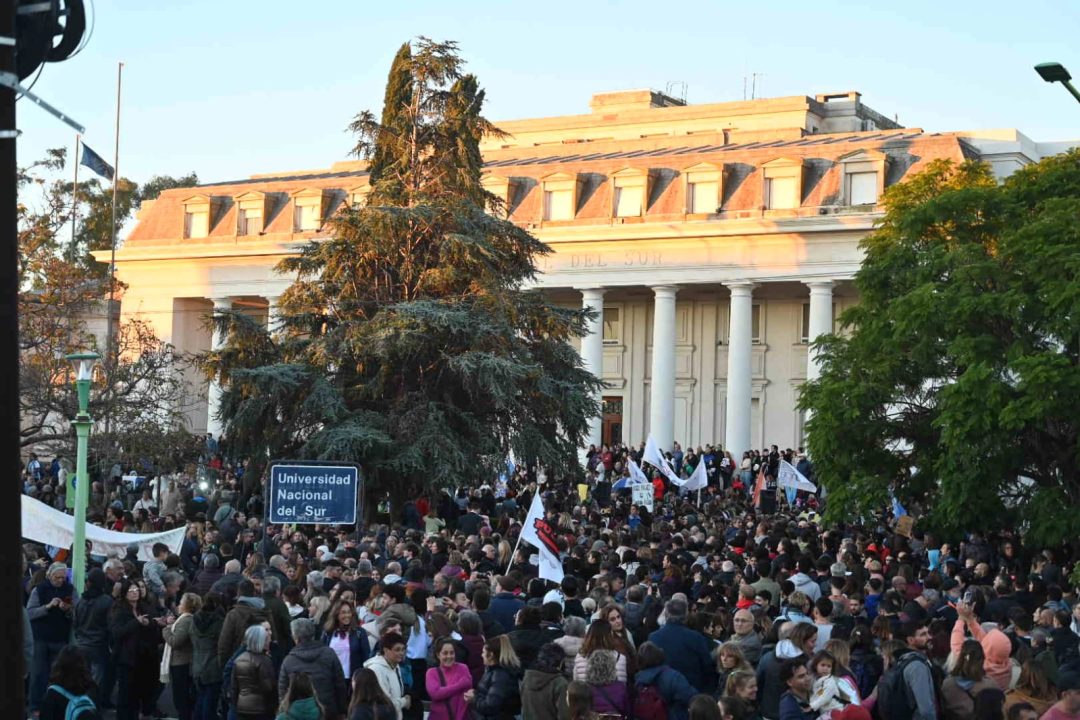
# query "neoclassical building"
(716, 241)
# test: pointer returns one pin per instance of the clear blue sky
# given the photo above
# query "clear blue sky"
(233, 87)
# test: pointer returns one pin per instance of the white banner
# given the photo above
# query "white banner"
(540, 535)
(637, 477)
(654, 457)
(699, 480)
(49, 526)
(790, 477)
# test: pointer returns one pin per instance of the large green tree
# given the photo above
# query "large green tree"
(955, 380)
(408, 343)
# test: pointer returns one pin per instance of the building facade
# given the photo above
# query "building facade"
(715, 241)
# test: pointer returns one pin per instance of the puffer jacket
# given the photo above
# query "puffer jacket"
(322, 664)
(497, 695)
(610, 695)
(543, 696)
(205, 629)
(253, 691)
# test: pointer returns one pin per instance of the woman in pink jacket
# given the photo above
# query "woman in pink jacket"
(449, 684)
(997, 648)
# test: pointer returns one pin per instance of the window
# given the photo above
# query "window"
(558, 205)
(704, 197)
(307, 218)
(627, 202)
(783, 184)
(196, 223)
(755, 325)
(560, 196)
(781, 193)
(612, 325)
(250, 222)
(862, 188)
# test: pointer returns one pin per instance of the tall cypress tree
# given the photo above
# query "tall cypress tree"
(409, 344)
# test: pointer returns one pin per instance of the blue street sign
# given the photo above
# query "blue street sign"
(309, 492)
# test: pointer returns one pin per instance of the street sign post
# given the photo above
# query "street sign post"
(311, 492)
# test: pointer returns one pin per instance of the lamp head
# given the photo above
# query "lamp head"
(1053, 72)
(83, 363)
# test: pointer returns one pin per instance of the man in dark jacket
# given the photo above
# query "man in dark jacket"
(795, 703)
(226, 584)
(92, 623)
(686, 650)
(505, 604)
(528, 637)
(247, 611)
(320, 663)
(276, 612)
(207, 576)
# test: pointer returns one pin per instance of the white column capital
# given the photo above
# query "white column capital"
(222, 304)
(591, 295)
(741, 288)
(820, 286)
(665, 291)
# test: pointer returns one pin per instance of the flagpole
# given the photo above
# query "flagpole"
(514, 554)
(109, 355)
(74, 201)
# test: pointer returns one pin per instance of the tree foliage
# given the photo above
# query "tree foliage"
(954, 382)
(408, 343)
(62, 309)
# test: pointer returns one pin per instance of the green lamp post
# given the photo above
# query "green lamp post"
(84, 365)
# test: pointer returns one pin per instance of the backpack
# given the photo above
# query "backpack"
(77, 706)
(865, 676)
(648, 703)
(895, 699)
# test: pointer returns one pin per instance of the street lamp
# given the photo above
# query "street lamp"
(1053, 72)
(84, 365)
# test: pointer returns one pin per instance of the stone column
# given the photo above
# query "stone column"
(273, 314)
(592, 353)
(662, 396)
(739, 374)
(213, 401)
(820, 321)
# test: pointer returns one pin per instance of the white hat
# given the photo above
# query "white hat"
(555, 596)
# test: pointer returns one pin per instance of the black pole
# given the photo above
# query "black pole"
(12, 701)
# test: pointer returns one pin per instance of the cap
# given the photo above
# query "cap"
(555, 596)
(727, 566)
(838, 570)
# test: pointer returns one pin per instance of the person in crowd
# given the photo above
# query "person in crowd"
(449, 684)
(746, 635)
(471, 629)
(1033, 688)
(248, 610)
(579, 701)
(571, 641)
(688, 651)
(543, 689)
(795, 702)
(178, 636)
(656, 680)
(729, 659)
(387, 666)
(253, 691)
(346, 638)
(496, 696)
(72, 691)
(300, 701)
(368, 701)
(703, 707)
(92, 623)
(319, 663)
(50, 607)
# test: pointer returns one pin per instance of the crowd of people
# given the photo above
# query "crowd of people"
(695, 609)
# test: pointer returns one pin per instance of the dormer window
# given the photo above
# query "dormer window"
(783, 184)
(503, 189)
(863, 179)
(309, 209)
(704, 184)
(630, 192)
(198, 210)
(560, 196)
(251, 211)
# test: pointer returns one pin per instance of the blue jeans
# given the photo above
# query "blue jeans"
(45, 653)
(206, 700)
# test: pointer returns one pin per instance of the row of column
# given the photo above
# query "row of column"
(739, 370)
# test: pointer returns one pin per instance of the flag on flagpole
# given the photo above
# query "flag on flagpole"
(538, 533)
(789, 477)
(699, 479)
(96, 163)
(759, 486)
(654, 457)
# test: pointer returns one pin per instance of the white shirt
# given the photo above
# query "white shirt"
(341, 646)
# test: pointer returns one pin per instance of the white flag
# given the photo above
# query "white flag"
(699, 480)
(790, 477)
(637, 477)
(654, 457)
(538, 533)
